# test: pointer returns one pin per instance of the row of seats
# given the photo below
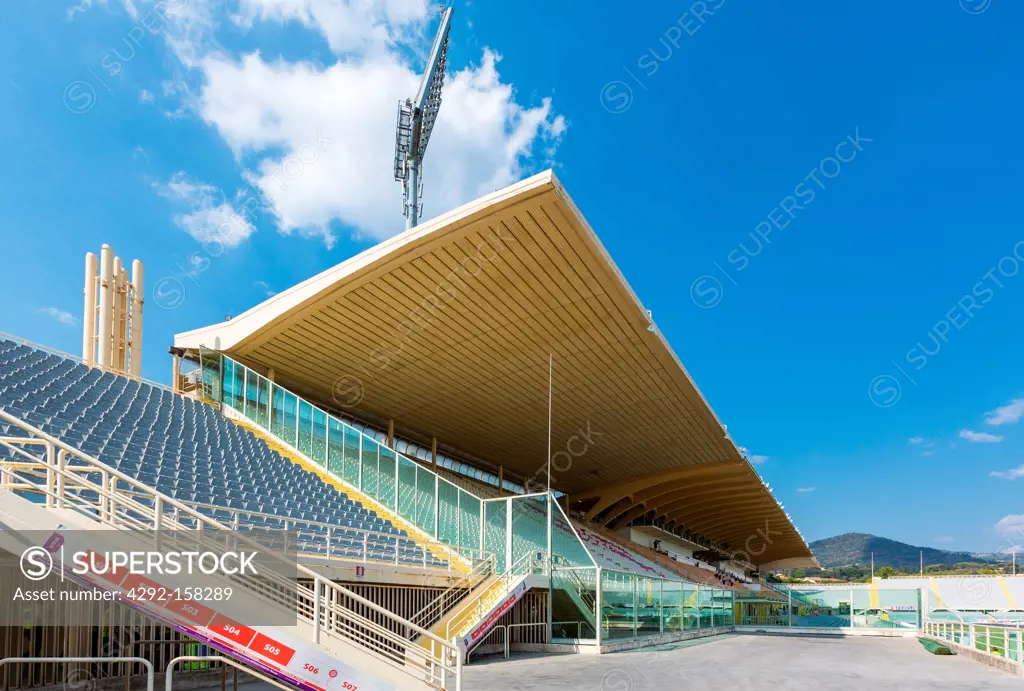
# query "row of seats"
(181, 447)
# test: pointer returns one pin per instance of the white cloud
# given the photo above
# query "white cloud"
(348, 25)
(928, 452)
(1011, 525)
(1007, 414)
(753, 458)
(265, 288)
(943, 538)
(980, 437)
(65, 318)
(326, 137)
(210, 218)
(270, 112)
(1011, 474)
(916, 440)
(146, 96)
(806, 489)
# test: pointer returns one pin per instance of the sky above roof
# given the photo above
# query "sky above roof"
(819, 204)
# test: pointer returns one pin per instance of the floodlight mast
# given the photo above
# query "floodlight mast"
(416, 121)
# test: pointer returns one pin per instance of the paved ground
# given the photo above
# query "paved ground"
(746, 663)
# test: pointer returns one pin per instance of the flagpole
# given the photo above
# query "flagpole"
(550, 367)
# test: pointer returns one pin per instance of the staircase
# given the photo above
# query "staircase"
(469, 623)
(47, 485)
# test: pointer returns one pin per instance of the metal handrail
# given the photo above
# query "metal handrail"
(63, 660)
(505, 579)
(58, 472)
(169, 675)
(436, 608)
(967, 634)
(329, 528)
(508, 633)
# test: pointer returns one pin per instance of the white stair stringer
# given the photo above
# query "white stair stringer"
(90, 506)
(469, 623)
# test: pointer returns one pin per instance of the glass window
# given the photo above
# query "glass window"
(821, 608)
(335, 447)
(425, 501)
(277, 413)
(228, 384)
(469, 520)
(496, 531)
(671, 606)
(648, 606)
(369, 484)
(617, 605)
(263, 402)
(291, 405)
(691, 608)
(407, 489)
(305, 428)
(319, 431)
(387, 477)
(529, 526)
(573, 600)
(447, 512)
(351, 472)
(211, 364)
(251, 394)
(566, 548)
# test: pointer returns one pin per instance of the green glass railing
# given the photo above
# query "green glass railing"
(439, 508)
(634, 606)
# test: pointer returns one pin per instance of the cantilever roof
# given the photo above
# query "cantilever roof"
(446, 329)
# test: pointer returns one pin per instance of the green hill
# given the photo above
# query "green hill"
(856, 548)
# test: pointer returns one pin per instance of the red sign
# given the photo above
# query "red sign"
(191, 611)
(268, 647)
(232, 630)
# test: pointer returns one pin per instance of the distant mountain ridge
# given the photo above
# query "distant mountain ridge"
(856, 549)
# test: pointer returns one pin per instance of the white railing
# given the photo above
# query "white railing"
(335, 540)
(473, 609)
(70, 479)
(995, 640)
(434, 610)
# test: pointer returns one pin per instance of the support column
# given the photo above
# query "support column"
(501, 479)
(391, 434)
(138, 299)
(433, 454)
(89, 310)
(175, 368)
(106, 289)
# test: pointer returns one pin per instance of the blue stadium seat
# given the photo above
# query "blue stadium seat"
(181, 447)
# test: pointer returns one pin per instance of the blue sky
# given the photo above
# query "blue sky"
(820, 204)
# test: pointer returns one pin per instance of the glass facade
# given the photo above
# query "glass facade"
(396, 481)
(587, 602)
(859, 606)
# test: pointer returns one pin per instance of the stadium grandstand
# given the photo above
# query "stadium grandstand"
(381, 434)
(389, 418)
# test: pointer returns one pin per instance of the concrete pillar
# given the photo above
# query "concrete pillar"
(106, 288)
(89, 310)
(175, 368)
(433, 454)
(391, 434)
(501, 479)
(138, 298)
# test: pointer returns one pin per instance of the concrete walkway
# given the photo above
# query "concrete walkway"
(746, 663)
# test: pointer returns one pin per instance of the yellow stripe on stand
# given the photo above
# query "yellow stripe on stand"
(415, 534)
(1006, 592)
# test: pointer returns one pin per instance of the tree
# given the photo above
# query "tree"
(886, 572)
